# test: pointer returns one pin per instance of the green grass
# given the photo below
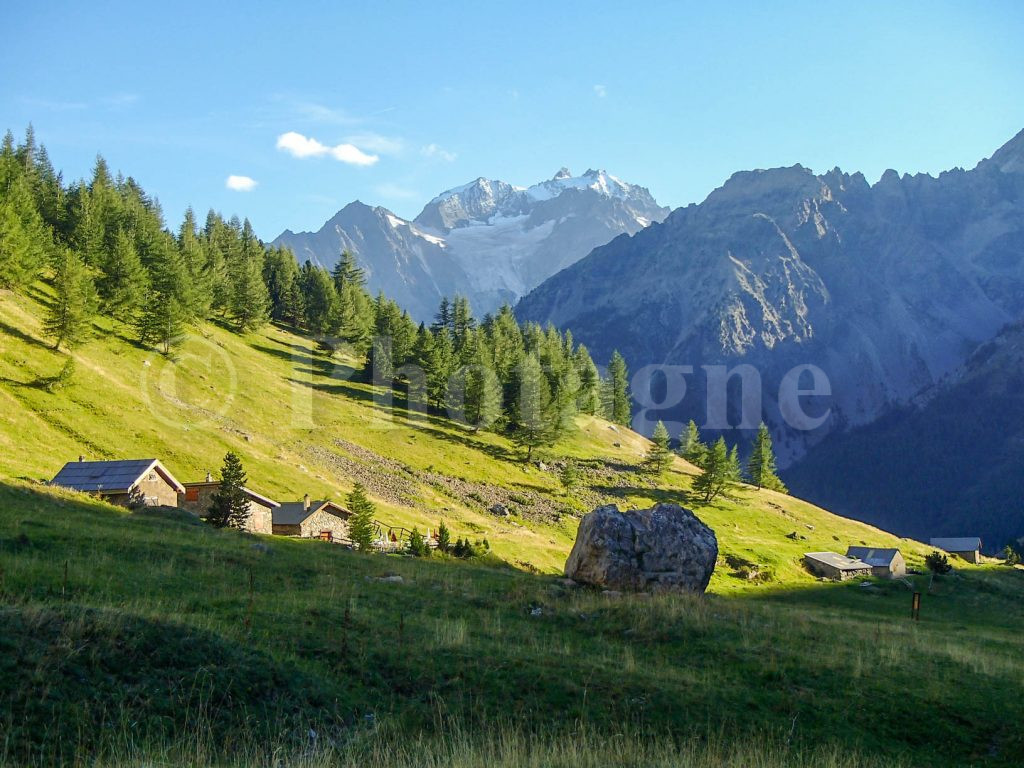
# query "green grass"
(151, 610)
(145, 639)
(302, 425)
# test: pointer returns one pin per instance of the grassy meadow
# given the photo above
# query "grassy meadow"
(148, 639)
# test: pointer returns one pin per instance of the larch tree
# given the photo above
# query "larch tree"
(761, 464)
(68, 320)
(691, 446)
(659, 457)
(619, 377)
(229, 506)
(715, 477)
(123, 283)
(534, 427)
(361, 524)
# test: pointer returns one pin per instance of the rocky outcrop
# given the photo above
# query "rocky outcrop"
(665, 548)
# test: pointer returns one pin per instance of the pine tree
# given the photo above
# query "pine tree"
(439, 369)
(165, 314)
(481, 396)
(444, 538)
(534, 413)
(123, 283)
(715, 477)
(24, 238)
(761, 464)
(733, 470)
(69, 319)
(589, 398)
(229, 506)
(619, 377)
(692, 448)
(417, 546)
(360, 525)
(570, 475)
(250, 301)
(659, 457)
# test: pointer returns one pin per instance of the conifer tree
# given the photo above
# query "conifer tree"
(69, 319)
(444, 537)
(439, 369)
(229, 506)
(692, 448)
(165, 314)
(123, 283)
(589, 398)
(24, 239)
(715, 477)
(250, 301)
(570, 475)
(619, 377)
(734, 472)
(417, 546)
(482, 401)
(761, 464)
(659, 457)
(360, 525)
(534, 428)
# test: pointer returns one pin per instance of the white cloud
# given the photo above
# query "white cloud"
(298, 145)
(433, 150)
(240, 183)
(601, 91)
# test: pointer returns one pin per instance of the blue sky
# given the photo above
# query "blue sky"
(391, 103)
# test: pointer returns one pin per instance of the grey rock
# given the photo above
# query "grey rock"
(499, 510)
(664, 548)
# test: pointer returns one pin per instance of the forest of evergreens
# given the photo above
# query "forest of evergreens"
(104, 245)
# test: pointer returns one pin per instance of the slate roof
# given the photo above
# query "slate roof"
(265, 501)
(962, 544)
(837, 561)
(110, 476)
(294, 512)
(873, 557)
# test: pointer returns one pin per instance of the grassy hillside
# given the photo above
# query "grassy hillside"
(151, 639)
(148, 639)
(302, 425)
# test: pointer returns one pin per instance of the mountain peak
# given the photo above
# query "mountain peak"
(1010, 156)
(563, 173)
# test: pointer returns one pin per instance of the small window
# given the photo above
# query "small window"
(191, 494)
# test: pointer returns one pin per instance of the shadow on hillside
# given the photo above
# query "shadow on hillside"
(20, 334)
(659, 495)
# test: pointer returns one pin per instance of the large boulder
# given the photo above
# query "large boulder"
(665, 548)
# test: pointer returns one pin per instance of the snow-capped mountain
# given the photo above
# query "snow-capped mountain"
(885, 287)
(487, 240)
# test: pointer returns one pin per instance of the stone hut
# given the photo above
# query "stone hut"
(197, 497)
(966, 547)
(312, 520)
(885, 563)
(836, 567)
(127, 483)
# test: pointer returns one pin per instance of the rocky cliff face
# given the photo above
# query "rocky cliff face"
(885, 287)
(487, 240)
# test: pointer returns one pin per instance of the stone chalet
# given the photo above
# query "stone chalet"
(128, 483)
(312, 520)
(885, 563)
(836, 567)
(197, 498)
(965, 547)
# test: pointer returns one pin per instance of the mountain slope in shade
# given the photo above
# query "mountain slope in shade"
(885, 287)
(487, 240)
(950, 463)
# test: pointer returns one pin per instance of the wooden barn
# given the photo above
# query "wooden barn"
(312, 520)
(885, 563)
(965, 547)
(128, 483)
(197, 498)
(832, 565)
